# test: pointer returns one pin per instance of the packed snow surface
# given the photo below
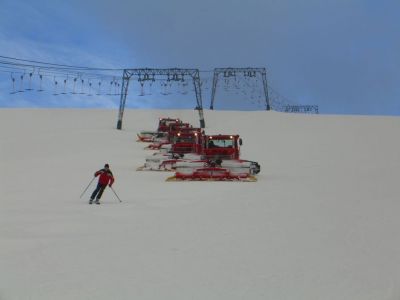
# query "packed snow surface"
(321, 222)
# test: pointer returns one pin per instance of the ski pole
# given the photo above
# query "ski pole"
(87, 187)
(115, 194)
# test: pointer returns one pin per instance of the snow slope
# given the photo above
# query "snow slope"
(322, 222)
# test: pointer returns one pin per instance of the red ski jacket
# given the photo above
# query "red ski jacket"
(106, 177)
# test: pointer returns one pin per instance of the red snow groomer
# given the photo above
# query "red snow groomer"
(186, 140)
(167, 137)
(163, 126)
(218, 161)
(185, 144)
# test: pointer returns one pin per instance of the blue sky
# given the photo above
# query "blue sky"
(343, 55)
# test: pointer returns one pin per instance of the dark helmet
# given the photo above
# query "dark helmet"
(107, 166)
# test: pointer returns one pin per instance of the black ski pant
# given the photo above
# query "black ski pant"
(98, 191)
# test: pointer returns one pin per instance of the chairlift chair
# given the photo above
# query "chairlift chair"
(74, 86)
(65, 87)
(90, 89)
(55, 88)
(30, 82)
(82, 84)
(141, 89)
(111, 84)
(13, 84)
(115, 88)
(99, 91)
(21, 84)
(41, 83)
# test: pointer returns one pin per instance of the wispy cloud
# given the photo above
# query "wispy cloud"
(42, 38)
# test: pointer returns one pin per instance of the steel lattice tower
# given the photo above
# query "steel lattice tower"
(149, 74)
(250, 72)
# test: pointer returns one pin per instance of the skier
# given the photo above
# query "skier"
(106, 178)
